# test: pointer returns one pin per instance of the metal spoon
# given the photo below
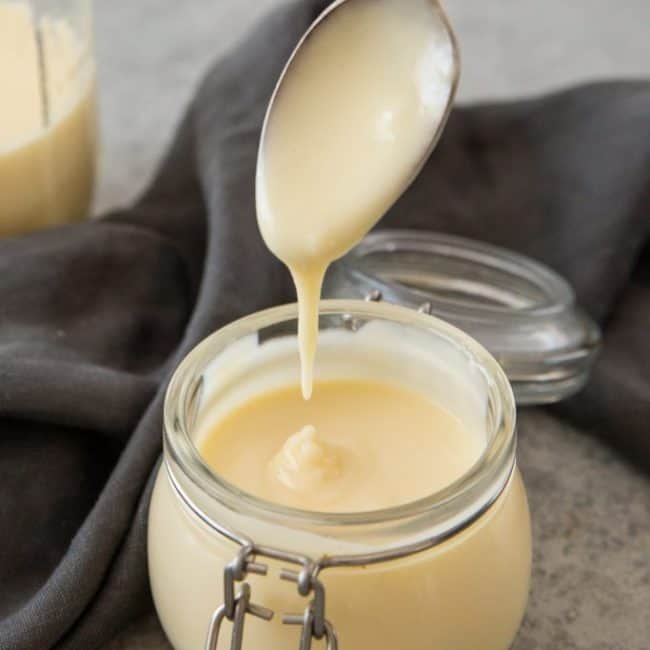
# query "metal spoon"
(340, 5)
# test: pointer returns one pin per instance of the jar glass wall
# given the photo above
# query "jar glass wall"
(48, 127)
(467, 584)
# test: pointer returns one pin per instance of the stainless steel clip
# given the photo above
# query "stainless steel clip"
(313, 621)
(236, 606)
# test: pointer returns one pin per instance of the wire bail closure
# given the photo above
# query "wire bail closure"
(236, 606)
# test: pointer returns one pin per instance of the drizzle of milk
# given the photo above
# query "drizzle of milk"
(350, 124)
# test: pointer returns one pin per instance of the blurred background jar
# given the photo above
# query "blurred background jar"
(48, 127)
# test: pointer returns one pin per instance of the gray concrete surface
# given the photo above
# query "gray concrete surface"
(591, 511)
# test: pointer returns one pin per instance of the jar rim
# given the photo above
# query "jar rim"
(555, 293)
(474, 491)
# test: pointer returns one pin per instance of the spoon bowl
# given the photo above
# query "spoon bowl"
(444, 27)
(353, 118)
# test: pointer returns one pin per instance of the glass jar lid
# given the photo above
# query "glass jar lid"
(523, 312)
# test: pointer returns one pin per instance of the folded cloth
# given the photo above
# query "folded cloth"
(94, 317)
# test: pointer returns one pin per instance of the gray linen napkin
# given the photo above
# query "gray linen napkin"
(93, 318)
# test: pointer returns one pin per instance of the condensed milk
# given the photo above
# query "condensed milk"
(370, 445)
(349, 126)
(47, 121)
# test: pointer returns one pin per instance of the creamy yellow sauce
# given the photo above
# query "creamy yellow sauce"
(370, 445)
(352, 119)
(47, 123)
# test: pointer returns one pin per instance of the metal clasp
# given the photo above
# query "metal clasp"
(313, 621)
(307, 622)
(235, 607)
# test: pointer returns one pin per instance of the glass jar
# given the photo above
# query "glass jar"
(48, 128)
(447, 572)
(522, 311)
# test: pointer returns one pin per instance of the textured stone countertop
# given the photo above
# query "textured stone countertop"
(591, 510)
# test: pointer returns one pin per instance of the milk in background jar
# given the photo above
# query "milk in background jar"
(47, 114)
